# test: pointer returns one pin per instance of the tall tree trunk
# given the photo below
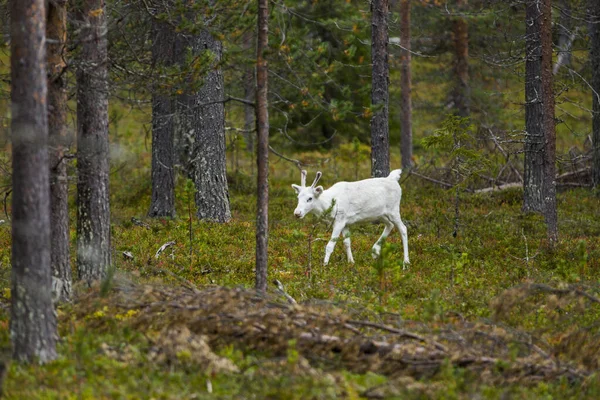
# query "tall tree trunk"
(534, 135)
(594, 15)
(93, 210)
(249, 95)
(163, 173)
(380, 143)
(33, 320)
(208, 121)
(262, 156)
(462, 91)
(406, 146)
(182, 107)
(58, 140)
(549, 179)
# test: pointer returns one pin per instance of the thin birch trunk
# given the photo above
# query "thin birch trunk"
(262, 156)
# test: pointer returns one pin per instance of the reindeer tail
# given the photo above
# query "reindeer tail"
(395, 174)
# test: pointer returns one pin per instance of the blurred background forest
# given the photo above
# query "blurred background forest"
(319, 61)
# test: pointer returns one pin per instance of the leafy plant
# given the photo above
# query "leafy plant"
(355, 153)
(455, 138)
(385, 265)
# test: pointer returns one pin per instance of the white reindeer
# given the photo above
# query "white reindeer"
(375, 199)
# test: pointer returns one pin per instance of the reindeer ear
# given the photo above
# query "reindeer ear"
(319, 174)
(318, 191)
(297, 188)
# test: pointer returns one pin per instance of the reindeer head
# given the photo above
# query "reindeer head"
(307, 196)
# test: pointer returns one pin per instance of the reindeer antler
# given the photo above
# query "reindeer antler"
(303, 178)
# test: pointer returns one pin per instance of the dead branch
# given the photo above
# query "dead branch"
(511, 185)
(398, 332)
(298, 163)
(281, 290)
(164, 247)
(542, 288)
(581, 171)
(181, 279)
(427, 178)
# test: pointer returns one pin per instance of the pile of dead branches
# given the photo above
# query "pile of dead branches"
(327, 335)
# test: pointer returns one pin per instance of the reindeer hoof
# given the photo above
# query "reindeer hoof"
(375, 253)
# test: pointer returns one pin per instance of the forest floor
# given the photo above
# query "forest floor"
(495, 312)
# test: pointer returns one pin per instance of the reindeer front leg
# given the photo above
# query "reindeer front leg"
(338, 226)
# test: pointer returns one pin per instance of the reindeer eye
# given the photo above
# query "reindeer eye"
(309, 199)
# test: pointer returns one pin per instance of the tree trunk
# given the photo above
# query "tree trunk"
(163, 174)
(566, 36)
(380, 144)
(208, 122)
(462, 91)
(33, 320)
(182, 108)
(58, 141)
(249, 95)
(406, 146)
(549, 180)
(534, 133)
(262, 156)
(594, 15)
(93, 211)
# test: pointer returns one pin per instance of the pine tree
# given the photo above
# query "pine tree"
(93, 211)
(163, 169)
(380, 131)
(33, 320)
(58, 141)
(406, 146)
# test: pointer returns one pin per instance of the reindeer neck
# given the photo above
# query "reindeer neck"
(323, 203)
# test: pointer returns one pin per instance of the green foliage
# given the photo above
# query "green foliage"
(384, 267)
(354, 153)
(456, 142)
(108, 280)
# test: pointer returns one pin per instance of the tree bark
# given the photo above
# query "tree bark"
(380, 144)
(93, 211)
(33, 320)
(549, 180)
(406, 146)
(462, 91)
(163, 173)
(534, 117)
(262, 156)
(56, 32)
(182, 107)
(208, 122)
(249, 95)
(594, 15)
